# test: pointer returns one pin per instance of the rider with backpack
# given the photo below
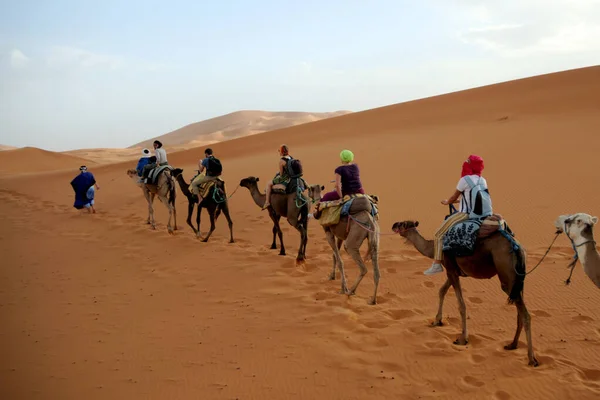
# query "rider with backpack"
(474, 204)
(213, 169)
(284, 175)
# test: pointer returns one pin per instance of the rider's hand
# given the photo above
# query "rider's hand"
(445, 202)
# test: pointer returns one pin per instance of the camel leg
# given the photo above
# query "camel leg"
(352, 248)
(225, 209)
(442, 295)
(151, 210)
(374, 252)
(189, 216)
(515, 341)
(277, 228)
(527, 322)
(339, 246)
(274, 244)
(211, 215)
(337, 257)
(464, 337)
(198, 220)
(303, 238)
(165, 201)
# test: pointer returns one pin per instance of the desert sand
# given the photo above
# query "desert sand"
(100, 306)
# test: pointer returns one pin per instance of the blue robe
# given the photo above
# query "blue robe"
(81, 183)
(141, 164)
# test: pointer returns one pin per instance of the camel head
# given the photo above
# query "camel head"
(249, 182)
(576, 225)
(176, 172)
(403, 227)
(314, 192)
(131, 173)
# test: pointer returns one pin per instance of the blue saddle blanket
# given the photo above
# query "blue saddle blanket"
(346, 208)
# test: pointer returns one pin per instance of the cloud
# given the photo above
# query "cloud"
(67, 57)
(18, 59)
(515, 28)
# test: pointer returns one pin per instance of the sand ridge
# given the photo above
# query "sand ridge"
(104, 307)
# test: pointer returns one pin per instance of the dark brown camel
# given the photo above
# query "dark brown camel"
(362, 226)
(285, 205)
(214, 204)
(493, 255)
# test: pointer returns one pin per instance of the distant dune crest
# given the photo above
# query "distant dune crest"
(235, 125)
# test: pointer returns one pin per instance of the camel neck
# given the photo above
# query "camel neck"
(590, 260)
(423, 246)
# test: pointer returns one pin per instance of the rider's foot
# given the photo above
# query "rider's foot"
(434, 269)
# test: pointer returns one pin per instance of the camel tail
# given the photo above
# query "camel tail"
(516, 293)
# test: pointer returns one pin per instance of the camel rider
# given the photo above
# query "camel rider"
(142, 162)
(282, 177)
(213, 169)
(470, 179)
(347, 178)
(161, 158)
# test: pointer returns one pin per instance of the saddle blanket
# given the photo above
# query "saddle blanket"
(461, 238)
(155, 173)
(330, 212)
(205, 188)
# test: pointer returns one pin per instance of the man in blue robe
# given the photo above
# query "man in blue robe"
(81, 184)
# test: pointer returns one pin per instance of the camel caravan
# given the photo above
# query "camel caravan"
(472, 241)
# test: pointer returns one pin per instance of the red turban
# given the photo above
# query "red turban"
(472, 166)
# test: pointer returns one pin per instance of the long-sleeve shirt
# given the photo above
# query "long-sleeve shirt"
(161, 156)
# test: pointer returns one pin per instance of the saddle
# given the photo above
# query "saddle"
(461, 239)
(205, 188)
(155, 172)
(291, 187)
(330, 212)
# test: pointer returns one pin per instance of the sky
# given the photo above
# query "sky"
(89, 74)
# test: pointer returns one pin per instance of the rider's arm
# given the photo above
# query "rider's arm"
(453, 198)
(338, 184)
(200, 166)
(281, 167)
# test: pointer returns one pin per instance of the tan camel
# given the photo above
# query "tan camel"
(287, 206)
(354, 231)
(493, 255)
(165, 190)
(579, 228)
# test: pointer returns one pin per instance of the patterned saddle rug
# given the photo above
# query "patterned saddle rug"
(330, 212)
(461, 239)
(154, 173)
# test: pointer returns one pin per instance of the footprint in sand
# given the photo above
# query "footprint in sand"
(501, 395)
(583, 318)
(471, 381)
(540, 313)
(400, 314)
(590, 374)
(475, 300)
(428, 284)
(376, 324)
(391, 270)
(477, 359)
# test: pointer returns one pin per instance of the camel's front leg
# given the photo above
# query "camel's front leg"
(337, 258)
(442, 295)
(515, 341)
(198, 233)
(374, 252)
(464, 337)
(339, 246)
(189, 216)
(151, 210)
(527, 322)
(211, 215)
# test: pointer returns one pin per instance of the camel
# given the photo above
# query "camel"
(165, 189)
(214, 204)
(287, 206)
(361, 226)
(579, 229)
(493, 255)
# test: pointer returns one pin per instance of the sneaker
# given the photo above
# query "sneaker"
(434, 269)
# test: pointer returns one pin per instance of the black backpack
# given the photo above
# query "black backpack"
(214, 167)
(294, 168)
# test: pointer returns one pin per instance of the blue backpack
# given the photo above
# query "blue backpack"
(480, 200)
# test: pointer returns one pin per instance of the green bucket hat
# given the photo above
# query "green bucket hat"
(346, 156)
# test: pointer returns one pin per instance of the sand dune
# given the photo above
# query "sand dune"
(31, 159)
(234, 125)
(4, 147)
(106, 308)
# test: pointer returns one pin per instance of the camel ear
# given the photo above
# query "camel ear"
(322, 187)
(594, 220)
(257, 179)
(416, 223)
